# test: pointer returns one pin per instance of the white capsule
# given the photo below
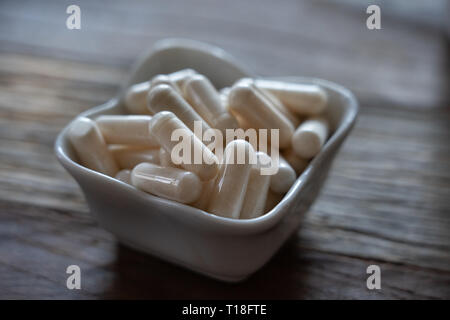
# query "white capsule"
(304, 99)
(229, 190)
(257, 188)
(162, 79)
(258, 112)
(179, 77)
(165, 79)
(203, 201)
(163, 124)
(124, 176)
(133, 130)
(293, 118)
(283, 180)
(219, 154)
(309, 137)
(297, 163)
(90, 146)
(242, 123)
(169, 183)
(127, 157)
(136, 98)
(244, 82)
(206, 101)
(165, 98)
(165, 159)
(224, 92)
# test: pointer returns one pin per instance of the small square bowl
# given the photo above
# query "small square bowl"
(222, 248)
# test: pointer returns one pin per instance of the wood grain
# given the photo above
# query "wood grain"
(387, 199)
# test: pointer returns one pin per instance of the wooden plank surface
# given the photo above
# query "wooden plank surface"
(387, 199)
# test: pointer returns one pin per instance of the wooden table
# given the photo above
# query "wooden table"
(387, 199)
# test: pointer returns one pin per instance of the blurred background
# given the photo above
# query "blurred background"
(386, 202)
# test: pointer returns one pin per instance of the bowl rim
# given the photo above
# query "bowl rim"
(235, 226)
(183, 44)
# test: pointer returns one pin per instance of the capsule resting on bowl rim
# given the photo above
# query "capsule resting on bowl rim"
(166, 182)
(90, 147)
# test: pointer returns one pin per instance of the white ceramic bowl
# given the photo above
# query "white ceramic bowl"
(218, 247)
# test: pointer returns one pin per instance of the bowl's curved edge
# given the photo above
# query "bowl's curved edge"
(228, 225)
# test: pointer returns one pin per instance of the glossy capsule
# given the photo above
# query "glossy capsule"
(165, 182)
(162, 79)
(285, 177)
(127, 157)
(297, 163)
(90, 147)
(224, 96)
(291, 116)
(136, 98)
(203, 201)
(163, 124)
(224, 92)
(179, 77)
(207, 102)
(132, 130)
(165, 159)
(258, 112)
(309, 137)
(304, 99)
(257, 189)
(165, 98)
(227, 196)
(124, 176)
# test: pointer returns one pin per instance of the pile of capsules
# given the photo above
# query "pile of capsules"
(136, 148)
